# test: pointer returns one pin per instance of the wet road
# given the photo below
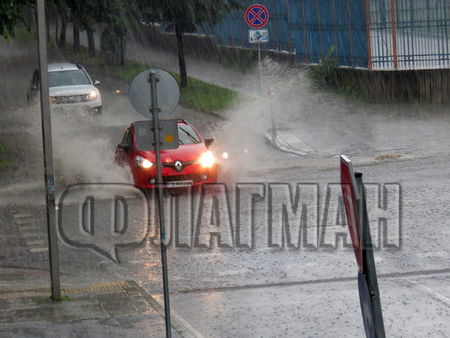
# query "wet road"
(268, 288)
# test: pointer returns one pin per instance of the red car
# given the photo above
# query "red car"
(189, 164)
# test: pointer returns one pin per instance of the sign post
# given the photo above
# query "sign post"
(154, 109)
(257, 16)
(358, 224)
(164, 98)
(48, 152)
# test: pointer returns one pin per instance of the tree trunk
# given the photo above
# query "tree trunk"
(47, 23)
(76, 38)
(181, 61)
(91, 42)
(56, 30)
(62, 32)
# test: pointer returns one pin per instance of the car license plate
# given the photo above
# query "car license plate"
(178, 184)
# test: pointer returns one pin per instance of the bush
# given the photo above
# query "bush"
(324, 74)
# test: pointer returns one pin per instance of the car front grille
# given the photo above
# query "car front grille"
(69, 99)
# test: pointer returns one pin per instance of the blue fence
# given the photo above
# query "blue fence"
(307, 27)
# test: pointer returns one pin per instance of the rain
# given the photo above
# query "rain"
(299, 188)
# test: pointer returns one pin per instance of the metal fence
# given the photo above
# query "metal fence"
(306, 27)
(409, 34)
(318, 25)
(374, 34)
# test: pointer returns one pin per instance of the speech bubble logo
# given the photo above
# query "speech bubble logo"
(103, 217)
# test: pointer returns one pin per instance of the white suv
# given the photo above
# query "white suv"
(69, 86)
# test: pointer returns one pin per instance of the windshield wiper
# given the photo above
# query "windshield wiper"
(190, 135)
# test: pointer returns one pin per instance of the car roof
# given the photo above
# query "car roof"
(179, 121)
(58, 66)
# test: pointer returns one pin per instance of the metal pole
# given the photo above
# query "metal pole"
(154, 109)
(369, 269)
(259, 65)
(394, 33)
(48, 152)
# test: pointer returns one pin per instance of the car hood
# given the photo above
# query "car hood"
(185, 152)
(71, 90)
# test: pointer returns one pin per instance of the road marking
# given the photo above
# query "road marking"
(22, 216)
(179, 324)
(31, 235)
(27, 228)
(38, 243)
(35, 250)
(23, 221)
(435, 295)
(433, 254)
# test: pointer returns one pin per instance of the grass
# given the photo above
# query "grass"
(4, 163)
(205, 96)
(48, 300)
(25, 35)
(199, 95)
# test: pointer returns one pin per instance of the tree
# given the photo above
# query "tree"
(183, 16)
(11, 14)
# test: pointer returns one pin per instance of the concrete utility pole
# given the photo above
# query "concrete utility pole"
(48, 151)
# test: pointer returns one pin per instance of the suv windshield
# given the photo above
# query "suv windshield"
(68, 78)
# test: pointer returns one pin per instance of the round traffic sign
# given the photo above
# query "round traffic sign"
(257, 16)
(168, 92)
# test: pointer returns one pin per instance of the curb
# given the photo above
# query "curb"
(273, 139)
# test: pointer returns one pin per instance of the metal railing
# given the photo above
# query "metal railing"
(409, 34)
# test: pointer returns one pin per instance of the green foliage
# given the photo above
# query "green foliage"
(4, 163)
(130, 70)
(11, 14)
(324, 75)
(26, 35)
(204, 96)
(187, 13)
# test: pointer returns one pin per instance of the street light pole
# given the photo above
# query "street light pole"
(48, 151)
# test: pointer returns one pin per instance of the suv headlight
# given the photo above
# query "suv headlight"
(93, 95)
(142, 163)
(207, 159)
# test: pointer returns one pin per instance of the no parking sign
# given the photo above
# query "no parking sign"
(257, 16)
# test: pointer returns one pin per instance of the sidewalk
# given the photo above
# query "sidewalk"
(121, 309)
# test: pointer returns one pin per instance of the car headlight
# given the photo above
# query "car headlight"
(207, 159)
(143, 162)
(93, 95)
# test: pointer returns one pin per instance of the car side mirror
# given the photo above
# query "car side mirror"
(208, 142)
(34, 87)
(97, 83)
(124, 147)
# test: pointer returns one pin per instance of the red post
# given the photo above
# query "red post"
(394, 33)
(369, 40)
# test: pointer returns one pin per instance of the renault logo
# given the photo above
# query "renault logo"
(178, 165)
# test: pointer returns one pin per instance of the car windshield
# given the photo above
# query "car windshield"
(144, 135)
(67, 78)
(187, 135)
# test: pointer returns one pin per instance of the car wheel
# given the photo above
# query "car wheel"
(97, 110)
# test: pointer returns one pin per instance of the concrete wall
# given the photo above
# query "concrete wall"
(417, 86)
